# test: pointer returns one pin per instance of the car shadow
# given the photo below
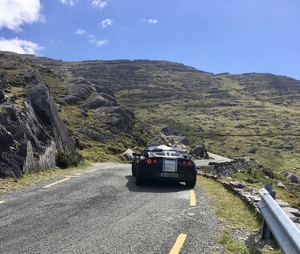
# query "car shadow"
(155, 186)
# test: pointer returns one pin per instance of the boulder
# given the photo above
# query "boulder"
(128, 155)
(200, 151)
(96, 101)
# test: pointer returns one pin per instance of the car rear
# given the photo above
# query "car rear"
(167, 168)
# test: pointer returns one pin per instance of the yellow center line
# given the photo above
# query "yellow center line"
(60, 181)
(178, 244)
(192, 198)
(1, 202)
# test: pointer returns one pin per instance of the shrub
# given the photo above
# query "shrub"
(64, 160)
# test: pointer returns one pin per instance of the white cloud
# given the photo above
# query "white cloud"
(101, 43)
(92, 39)
(14, 13)
(153, 21)
(99, 4)
(68, 2)
(80, 32)
(107, 22)
(19, 46)
(150, 21)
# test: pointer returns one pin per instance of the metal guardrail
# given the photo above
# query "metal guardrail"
(277, 224)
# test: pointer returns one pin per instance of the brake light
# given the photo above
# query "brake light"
(187, 163)
(150, 161)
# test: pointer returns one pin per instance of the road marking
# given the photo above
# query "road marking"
(178, 244)
(92, 170)
(192, 198)
(60, 181)
(1, 202)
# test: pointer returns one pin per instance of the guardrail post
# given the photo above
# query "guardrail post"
(265, 231)
(284, 230)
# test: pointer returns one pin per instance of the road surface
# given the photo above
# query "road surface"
(101, 210)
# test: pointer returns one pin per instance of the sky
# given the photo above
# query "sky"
(235, 36)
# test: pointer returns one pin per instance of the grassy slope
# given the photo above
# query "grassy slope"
(205, 107)
(212, 113)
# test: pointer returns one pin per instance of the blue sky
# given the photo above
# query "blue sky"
(235, 36)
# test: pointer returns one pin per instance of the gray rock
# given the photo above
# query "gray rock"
(252, 150)
(200, 151)
(97, 101)
(128, 155)
(238, 185)
(281, 185)
(32, 135)
(292, 178)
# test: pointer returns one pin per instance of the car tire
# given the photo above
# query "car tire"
(138, 179)
(133, 169)
(191, 183)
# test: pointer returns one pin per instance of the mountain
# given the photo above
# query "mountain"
(251, 114)
(48, 120)
(120, 104)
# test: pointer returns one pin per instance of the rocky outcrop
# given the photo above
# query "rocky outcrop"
(87, 94)
(112, 120)
(31, 131)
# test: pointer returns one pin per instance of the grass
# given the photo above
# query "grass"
(234, 214)
(289, 195)
(194, 110)
(28, 179)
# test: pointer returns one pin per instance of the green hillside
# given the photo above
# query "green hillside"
(252, 114)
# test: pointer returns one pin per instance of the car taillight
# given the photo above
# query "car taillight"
(150, 161)
(187, 163)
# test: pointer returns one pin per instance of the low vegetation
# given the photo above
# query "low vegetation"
(64, 160)
(236, 216)
(28, 179)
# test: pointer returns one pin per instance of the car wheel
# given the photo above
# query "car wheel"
(191, 183)
(138, 179)
(133, 169)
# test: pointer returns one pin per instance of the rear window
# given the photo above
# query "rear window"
(167, 153)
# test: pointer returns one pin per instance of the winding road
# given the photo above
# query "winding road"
(101, 210)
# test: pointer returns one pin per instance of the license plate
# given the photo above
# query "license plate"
(170, 165)
(168, 174)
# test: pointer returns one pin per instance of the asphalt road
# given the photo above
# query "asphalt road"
(213, 158)
(101, 210)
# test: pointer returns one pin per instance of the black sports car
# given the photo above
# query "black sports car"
(163, 163)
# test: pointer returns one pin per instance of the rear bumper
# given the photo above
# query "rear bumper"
(181, 175)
